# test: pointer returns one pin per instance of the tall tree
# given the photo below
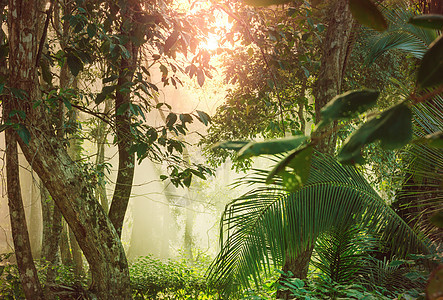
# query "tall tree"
(64, 180)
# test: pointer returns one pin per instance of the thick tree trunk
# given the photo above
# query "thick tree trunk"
(298, 266)
(64, 180)
(333, 64)
(126, 159)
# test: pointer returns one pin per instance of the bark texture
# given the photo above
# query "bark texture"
(335, 50)
(65, 181)
(126, 159)
(22, 247)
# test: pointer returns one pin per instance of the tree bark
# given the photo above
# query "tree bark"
(335, 50)
(126, 159)
(333, 64)
(65, 181)
(22, 247)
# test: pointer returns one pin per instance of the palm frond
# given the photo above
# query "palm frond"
(265, 225)
(340, 252)
(400, 35)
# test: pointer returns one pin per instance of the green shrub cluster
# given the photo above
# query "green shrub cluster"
(153, 278)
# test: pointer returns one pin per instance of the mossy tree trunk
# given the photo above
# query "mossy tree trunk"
(65, 181)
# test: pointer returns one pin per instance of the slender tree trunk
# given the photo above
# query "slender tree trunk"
(64, 180)
(102, 136)
(22, 247)
(126, 159)
(52, 250)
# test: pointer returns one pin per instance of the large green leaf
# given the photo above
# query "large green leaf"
(431, 21)
(430, 72)
(300, 161)
(366, 13)
(271, 146)
(74, 63)
(393, 128)
(348, 104)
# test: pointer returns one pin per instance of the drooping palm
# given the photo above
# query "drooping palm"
(261, 228)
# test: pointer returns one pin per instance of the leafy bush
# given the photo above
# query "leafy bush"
(169, 279)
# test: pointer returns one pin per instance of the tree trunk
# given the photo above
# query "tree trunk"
(335, 50)
(64, 180)
(22, 247)
(52, 250)
(298, 266)
(102, 134)
(126, 159)
(333, 64)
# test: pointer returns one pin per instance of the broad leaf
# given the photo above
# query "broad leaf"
(366, 13)
(107, 90)
(203, 117)
(393, 128)
(170, 41)
(349, 104)
(437, 219)
(430, 72)
(271, 146)
(23, 133)
(428, 21)
(74, 63)
(298, 159)
(231, 145)
(170, 119)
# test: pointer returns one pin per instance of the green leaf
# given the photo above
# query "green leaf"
(366, 13)
(348, 105)
(431, 21)
(18, 93)
(2, 86)
(170, 41)
(104, 93)
(393, 128)
(74, 63)
(23, 133)
(122, 109)
(271, 146)
(430, 72)
(203, 117)
(435, 139)
(187, 180)
(437, 219)
(163, 177)
(91, 30)
(297, 159)
(170, 119)
(231, 145)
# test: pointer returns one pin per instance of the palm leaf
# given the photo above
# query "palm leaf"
(266, 224)
(400, 35)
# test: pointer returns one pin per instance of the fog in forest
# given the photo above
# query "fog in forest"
(162, 220)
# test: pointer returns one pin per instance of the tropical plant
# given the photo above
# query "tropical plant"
(400, 35)
(262, 228)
